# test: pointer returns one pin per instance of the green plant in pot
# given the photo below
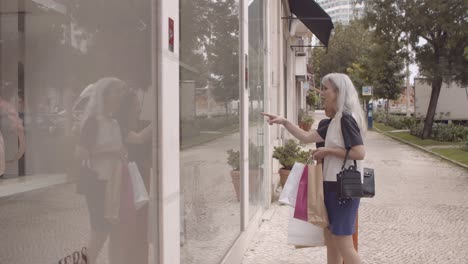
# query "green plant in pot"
(255, 160)
(305, 121)
(287, 155)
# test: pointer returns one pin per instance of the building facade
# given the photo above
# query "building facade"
(342, 11)
(177, 87)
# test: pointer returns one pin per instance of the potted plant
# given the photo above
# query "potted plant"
(312, 99)
(305, 121)
(287, 155)
(234, 161)
(255, 160)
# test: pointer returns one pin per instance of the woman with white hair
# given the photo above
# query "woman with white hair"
(344, 132)
(101, 145)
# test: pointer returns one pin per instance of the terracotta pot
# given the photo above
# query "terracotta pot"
(235, 178)
(301, 124)
(284, 173)
(254, 181)
(306, 126)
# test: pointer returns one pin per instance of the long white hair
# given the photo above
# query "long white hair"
(347, 98)
(95, 105)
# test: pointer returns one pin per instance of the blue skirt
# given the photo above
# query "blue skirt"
(341, 214)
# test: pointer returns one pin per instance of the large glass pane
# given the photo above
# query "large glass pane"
(210, 139)
(75, 104)
(256, 99)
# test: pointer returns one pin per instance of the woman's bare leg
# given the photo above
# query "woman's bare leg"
(346, 248)
(333, 254)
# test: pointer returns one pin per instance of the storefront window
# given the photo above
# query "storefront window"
(75, 109)
(209, 129)
(256, 99)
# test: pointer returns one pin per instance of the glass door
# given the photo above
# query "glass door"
(209, 129)
(256, 105)
(75, 109)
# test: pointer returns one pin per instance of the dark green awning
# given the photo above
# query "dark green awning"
(313, 17)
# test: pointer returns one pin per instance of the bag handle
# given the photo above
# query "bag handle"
(346, 158)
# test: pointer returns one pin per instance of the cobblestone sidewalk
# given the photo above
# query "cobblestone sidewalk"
(419, 215)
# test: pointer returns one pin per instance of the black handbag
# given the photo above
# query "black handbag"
(349, 183)
(368, 186)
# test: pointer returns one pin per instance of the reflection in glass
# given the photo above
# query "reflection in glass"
(77, 76)
(209, 128)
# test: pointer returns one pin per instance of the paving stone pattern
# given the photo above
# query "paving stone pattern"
(419, 215)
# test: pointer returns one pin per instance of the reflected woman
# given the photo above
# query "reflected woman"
(136, 137)
(101, 144)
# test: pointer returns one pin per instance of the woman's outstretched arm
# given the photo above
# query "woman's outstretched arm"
(304, 136)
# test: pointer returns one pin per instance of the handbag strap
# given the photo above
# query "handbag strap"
(346, 158)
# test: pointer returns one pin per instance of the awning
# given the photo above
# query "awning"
(313, 17)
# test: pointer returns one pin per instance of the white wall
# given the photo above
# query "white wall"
(167, 145)
(452, 104)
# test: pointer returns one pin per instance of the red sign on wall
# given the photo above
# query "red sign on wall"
(171, 35)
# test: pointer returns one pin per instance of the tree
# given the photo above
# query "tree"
(444, 28)
(223, 55)
(209, 46)
(368, 59)
(194, 36)
(386, 68)
(118, 39)
(347, 44)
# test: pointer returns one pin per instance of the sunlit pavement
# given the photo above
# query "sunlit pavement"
(419, 215)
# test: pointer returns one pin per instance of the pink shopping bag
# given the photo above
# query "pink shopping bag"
(300, 210)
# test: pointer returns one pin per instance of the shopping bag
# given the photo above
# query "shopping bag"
(304, 234)
(300, 210)
(289, 193)
(140, 194)
(316, 210)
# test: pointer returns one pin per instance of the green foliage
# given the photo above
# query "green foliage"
(379, 117)
(417, 130)
(312, 99)
(118, 37)
(234, 159)
(465, 146)
(386, 68)
(443, 27)
(288, 154)
(301, 114)
(209, 46)
(450, 132)
(255, 157)
(443, 132)
(347, 44)
(395, 121)
(222, 49)
(308, 120)
(367, 59)
(304, 117)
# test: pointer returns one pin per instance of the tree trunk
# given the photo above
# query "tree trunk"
(436, 86)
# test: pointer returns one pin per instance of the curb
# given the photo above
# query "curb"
(422, 148)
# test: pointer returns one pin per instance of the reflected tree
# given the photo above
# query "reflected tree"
(114, 41)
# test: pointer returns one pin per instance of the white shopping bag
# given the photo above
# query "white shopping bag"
(304, 234)
(140, 194)
(289, 193)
